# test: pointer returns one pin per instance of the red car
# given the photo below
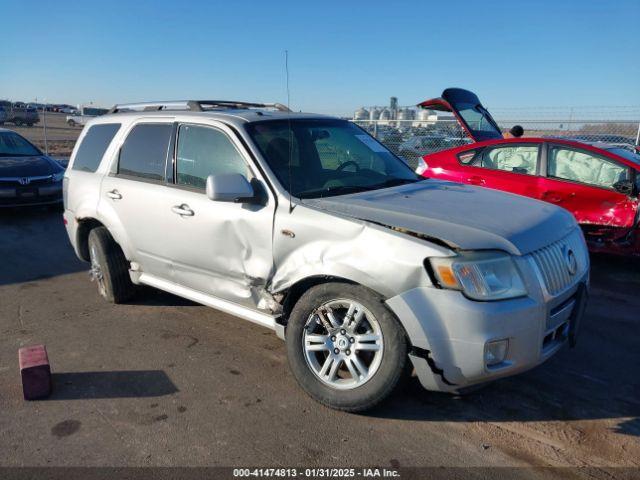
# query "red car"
(598, 184)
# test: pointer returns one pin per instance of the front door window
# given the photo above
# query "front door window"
(584, 167)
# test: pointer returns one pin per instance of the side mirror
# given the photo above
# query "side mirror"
(233, 187)
(624, 186)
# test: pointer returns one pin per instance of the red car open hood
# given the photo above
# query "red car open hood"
(472, 116)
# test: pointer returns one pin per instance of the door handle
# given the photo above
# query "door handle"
(114, 194)
(183, 210)
(476, 180)
(552, 197)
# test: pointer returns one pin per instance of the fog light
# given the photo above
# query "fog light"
(495, 352)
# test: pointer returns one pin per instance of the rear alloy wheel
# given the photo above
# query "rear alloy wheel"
(109, 267)
(346, 349)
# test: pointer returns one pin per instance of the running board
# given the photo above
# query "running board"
(231, 308)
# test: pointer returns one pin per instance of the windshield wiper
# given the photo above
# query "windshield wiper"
(394, 182)
(337, 190)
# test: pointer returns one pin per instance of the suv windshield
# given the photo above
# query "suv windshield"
(13, 145)
(328, 157)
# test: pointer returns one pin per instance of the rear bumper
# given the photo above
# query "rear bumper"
(449, 333)
(71, 225)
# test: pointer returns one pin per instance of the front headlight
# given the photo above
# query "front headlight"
(57, 177)
(480, 275)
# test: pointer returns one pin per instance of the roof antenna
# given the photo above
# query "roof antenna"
(286, 68)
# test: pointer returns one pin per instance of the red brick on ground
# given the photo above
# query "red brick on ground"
(35, 372)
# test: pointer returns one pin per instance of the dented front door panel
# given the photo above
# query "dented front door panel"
(224, 249)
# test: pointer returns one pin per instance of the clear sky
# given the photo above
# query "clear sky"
(342, 54)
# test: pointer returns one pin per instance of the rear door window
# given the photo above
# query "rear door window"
(512, 158)
(204, 151)
(144, 152)
(93, 146)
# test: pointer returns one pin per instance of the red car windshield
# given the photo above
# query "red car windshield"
(626, 154)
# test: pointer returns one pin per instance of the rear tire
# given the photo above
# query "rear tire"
(71, 123)
(109, 267)
(342, 366)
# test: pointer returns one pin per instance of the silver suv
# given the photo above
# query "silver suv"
(306, 225)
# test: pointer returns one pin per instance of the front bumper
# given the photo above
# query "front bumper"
(449, 332)
(23, 195)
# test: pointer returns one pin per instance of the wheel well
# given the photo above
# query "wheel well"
(296, 290)
(85, 226)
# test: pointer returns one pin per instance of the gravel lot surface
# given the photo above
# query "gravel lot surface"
(163, 381)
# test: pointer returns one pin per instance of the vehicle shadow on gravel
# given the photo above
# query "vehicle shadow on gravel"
(596, 380)
(34, 245)
(152, 297)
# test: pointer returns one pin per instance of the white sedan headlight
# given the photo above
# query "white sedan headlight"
(480, 275)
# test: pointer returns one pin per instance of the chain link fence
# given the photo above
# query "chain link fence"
(412, 133)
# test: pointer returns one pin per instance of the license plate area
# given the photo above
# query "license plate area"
(560, 314)
(27, 192)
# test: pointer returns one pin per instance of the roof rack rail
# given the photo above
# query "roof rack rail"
(193, 105)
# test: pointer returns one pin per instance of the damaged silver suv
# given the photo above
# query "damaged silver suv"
(306, 225)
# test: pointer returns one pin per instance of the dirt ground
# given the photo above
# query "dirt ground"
(163, 381)
(60, 137)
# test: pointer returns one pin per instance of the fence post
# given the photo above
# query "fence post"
(375, 129)
(44, 121)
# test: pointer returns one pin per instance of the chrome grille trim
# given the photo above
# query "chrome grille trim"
(551, 265)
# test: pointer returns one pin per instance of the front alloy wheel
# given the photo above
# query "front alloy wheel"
(343, 344)
(346, 348)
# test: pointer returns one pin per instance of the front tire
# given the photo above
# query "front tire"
(109, 267)
(345, 347)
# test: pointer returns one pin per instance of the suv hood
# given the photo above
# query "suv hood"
(463, 216)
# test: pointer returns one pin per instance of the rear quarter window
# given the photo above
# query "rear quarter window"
(94, 144)
(466, 158)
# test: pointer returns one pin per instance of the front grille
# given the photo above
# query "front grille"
(15, 182)
(551, 262)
